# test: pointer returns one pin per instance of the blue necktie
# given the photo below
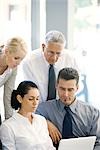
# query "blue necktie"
(51, 83)
(67, 124)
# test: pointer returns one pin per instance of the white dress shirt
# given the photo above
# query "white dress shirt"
(7, 79)
(17, 133)
(35, 68)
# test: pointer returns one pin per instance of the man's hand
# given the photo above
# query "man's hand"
(54, 132)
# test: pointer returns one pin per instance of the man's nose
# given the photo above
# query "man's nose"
(55, 56)
(66, 93)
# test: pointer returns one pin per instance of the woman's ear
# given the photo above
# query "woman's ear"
(6, 50)
(19, 98)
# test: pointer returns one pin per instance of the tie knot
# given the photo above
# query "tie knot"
(67, 108)
(51, 65)
(51, 68)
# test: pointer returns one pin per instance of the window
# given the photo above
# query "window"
(15, 19)
(86, 45)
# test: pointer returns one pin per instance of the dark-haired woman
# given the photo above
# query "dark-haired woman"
(25, 130)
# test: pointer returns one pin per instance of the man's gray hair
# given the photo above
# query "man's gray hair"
(55, 36)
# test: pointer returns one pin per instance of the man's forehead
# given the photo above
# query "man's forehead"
(55, 46)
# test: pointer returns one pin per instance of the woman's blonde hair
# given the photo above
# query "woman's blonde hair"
(16, 44)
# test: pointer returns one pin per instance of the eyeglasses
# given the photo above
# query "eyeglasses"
(51, 53)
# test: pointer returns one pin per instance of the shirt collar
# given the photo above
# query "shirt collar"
(61, 105)
(21, 117)
(73, 106)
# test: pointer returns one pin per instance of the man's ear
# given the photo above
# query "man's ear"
(43, 46)
(77, 87)
(19, 98)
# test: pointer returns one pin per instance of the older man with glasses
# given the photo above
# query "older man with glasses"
(42, 65)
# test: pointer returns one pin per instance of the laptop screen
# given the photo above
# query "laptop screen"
(81, 143)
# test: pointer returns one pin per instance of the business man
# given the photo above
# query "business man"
(82, 119)
(50, 57)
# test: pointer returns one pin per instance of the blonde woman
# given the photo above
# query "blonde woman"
(11, 54)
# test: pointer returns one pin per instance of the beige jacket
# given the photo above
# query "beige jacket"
(8, 82)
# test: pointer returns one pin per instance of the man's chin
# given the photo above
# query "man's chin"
(67, 102)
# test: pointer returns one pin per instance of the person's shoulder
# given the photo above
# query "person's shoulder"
(46, 106)
(36, 52)
(87, 106)
(33, 55)
(47, 103)
(7, 122)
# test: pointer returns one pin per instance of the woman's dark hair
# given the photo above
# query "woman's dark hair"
(22, 89)
(68, 74)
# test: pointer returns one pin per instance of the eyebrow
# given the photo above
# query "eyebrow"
(33, 96)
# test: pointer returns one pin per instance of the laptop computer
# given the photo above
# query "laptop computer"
(81, 143)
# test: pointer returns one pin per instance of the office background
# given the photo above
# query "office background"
(79, 20)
